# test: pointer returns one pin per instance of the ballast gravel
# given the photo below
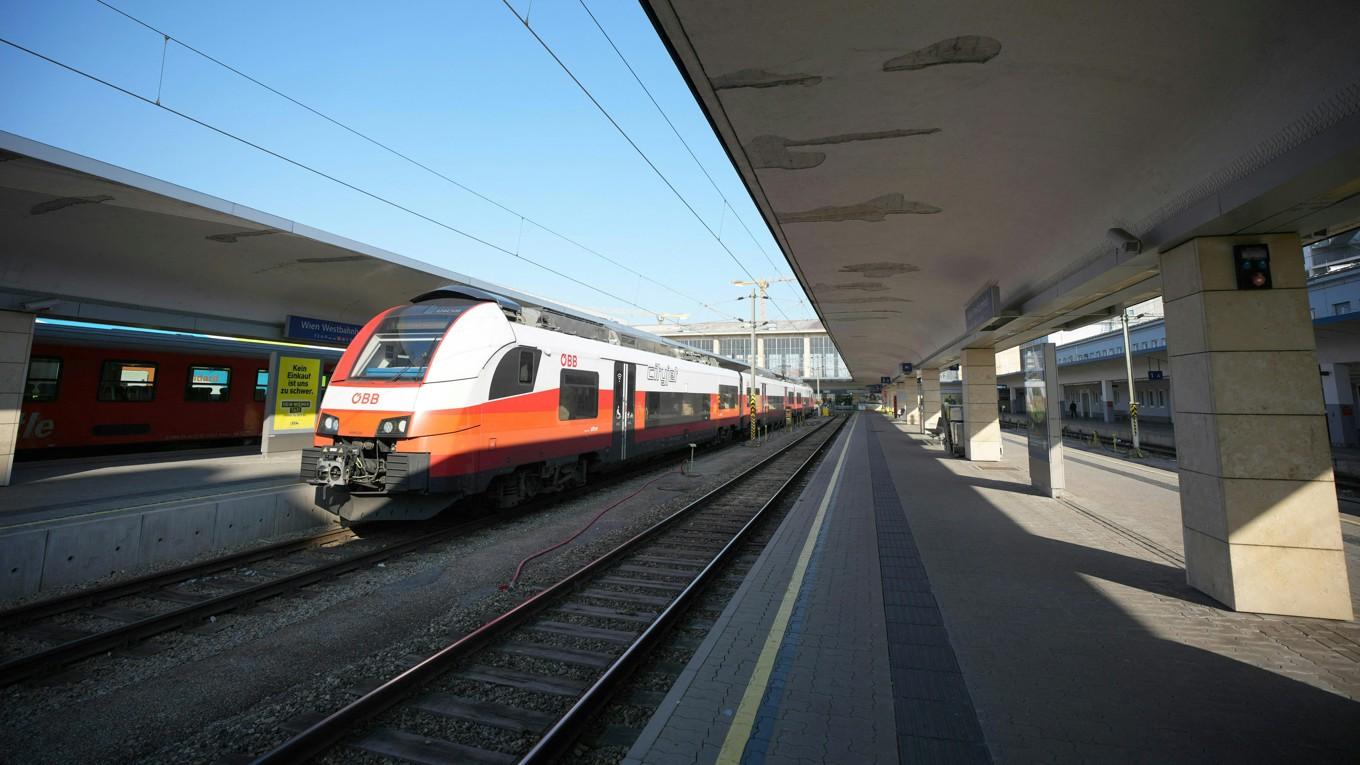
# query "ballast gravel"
(207, 697)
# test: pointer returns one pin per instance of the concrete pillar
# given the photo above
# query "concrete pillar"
(1339, 400)
(981, 418)
(1106, 401)
(759, 350)
(807, 356)
(1258, 501)
(911, 403)
(930, 398)
(16, 338)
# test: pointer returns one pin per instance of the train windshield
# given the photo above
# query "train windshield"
(403, 343)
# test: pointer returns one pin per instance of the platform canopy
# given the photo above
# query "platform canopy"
(87, 240)
(910, 156)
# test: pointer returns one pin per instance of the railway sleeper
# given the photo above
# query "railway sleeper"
(490, 713)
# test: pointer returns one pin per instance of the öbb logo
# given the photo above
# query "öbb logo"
(368, 399)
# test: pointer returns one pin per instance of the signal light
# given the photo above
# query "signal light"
(1252, 265)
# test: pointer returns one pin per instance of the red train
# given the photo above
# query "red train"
(92, 389)
(464, 390)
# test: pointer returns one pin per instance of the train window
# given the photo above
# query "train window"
(208, 384)
(526, 367)
(579, 397)
(666, 408)
(44, 376)
(727, 397)
(515, 373)
(127, 381)
(261, 384)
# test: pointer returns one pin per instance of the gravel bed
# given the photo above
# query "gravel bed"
(205, 697)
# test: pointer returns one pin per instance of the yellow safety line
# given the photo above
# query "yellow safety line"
(745, 718)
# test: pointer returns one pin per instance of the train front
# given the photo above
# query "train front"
(392, 439)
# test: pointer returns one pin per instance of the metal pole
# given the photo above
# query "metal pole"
(1128, 369)
(752, 396)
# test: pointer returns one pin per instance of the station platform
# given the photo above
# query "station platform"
(72, 521)
(918, 608)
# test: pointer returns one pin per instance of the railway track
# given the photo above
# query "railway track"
(523, 686)
(43, 638)
(94, 622)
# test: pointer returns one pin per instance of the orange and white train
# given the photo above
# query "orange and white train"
(464, 391)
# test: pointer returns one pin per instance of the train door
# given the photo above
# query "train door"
(625, 385)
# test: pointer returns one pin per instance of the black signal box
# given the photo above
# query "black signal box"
(1252, 264)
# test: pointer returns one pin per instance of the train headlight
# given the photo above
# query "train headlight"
(328, 425)
(393, 426)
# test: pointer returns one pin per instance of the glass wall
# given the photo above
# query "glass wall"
(825, 362)
(737, 348)
(702, 343)
(784, 355)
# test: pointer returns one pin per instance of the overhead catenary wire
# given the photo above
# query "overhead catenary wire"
(320, 173)
(727, 204)
(393, 151)
(626, 137)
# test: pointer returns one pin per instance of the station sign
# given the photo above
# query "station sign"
(907, 367)
(319, 330)
(1154, 374)
(983, 308)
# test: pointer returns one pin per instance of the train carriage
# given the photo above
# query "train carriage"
(463, 391)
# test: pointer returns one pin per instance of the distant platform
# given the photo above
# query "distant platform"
(64, 522)
(918, 608)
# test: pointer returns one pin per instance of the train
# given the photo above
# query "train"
(465, 392)
(97, 389)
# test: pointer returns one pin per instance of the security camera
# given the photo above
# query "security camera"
(1125, 243)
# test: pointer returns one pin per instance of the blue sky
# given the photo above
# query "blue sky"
(460, 86)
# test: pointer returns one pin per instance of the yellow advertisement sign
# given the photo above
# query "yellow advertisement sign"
(296, 393)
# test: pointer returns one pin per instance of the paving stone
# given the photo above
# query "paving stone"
(948, 619)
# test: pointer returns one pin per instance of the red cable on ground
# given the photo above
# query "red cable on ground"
(520, 568)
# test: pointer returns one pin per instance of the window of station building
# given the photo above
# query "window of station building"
(825, 361)
(1340, 308)
(784, 355)
(261, 384)
(44, 378)
(728, 398)
(208, 384)
(736, 348)
(1161, 398)
(127, 381)
(515, 373)
(699, 343)
(579, 395)
(666, 408)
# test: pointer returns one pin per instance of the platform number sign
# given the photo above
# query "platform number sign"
(296, 398)
(1252, 264)
(906, 367)
(885, 380)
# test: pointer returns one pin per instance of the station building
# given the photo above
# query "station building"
(1094, 381)
(799, 348)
